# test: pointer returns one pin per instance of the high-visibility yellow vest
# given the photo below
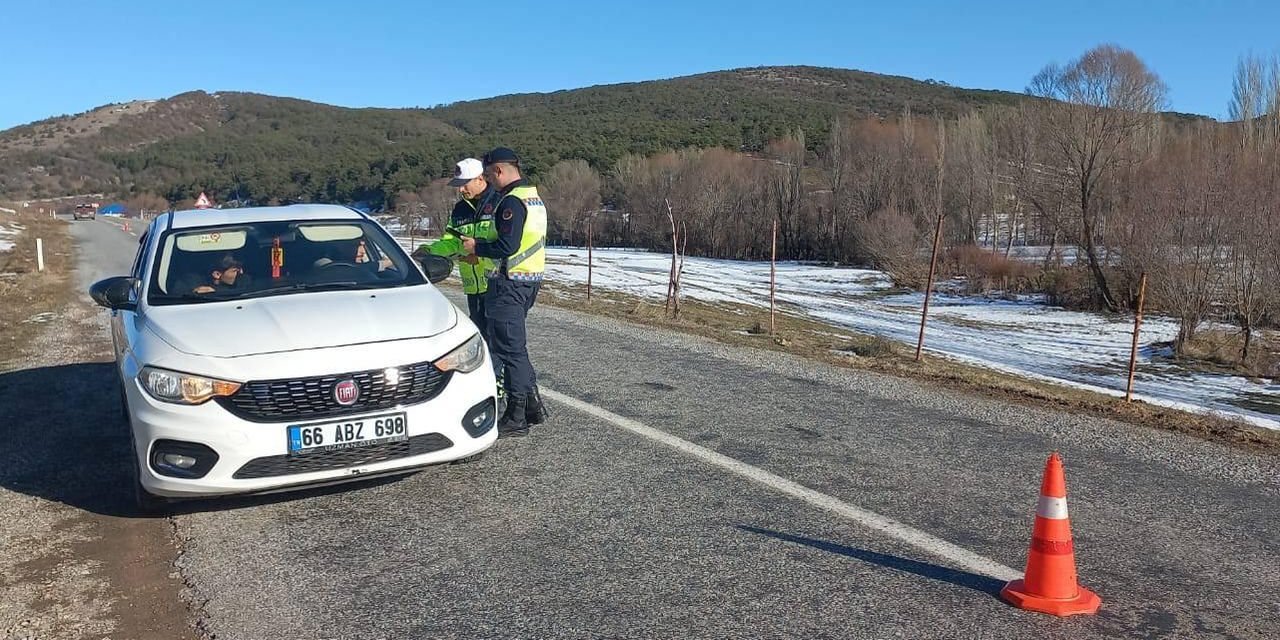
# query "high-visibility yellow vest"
(480, 226)
(529, 261)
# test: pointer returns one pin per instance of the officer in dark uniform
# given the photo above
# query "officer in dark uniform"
(518, 255)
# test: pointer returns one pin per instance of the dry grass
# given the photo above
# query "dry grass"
(31, 297)
(1219, 351)
(984, 270)
(748, 326)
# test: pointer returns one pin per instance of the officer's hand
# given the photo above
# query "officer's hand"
(468, 245)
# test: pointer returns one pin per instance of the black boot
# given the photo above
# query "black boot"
(535, 412)
(513, 424)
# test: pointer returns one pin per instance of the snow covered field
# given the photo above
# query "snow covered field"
(1025, 338)
(7, 232)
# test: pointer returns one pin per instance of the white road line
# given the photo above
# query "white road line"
(959, 556)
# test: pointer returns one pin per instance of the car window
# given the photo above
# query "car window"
(136, 270)
(275, 258)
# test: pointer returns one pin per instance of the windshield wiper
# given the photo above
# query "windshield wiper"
(304, 286)
(193, 297)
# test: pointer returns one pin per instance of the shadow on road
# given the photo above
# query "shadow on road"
(62, 439)
(978, 582)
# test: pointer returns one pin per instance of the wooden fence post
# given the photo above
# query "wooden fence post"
(773, 275)
(1137, 329)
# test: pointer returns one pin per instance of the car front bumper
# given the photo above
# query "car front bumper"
(237, 442)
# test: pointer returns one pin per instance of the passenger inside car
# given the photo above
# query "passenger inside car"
(351, 253)
(362, 257)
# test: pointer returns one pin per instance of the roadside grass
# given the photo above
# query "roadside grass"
(32, 298)
(1218, 351)
(747, 326)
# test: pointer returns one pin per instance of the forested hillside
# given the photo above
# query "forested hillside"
(262, 148)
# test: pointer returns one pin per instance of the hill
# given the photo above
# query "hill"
(263, 148)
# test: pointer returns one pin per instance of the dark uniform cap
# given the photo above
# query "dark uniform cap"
(501, 155)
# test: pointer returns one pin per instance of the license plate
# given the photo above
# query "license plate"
(348, 434)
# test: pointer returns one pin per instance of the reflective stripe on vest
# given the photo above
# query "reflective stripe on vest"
(517, 259)
(530, 259)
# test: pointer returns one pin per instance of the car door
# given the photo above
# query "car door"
(124, 323)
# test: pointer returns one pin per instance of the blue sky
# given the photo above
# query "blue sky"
(399, 53)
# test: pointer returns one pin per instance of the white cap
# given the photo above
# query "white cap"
(466, 171)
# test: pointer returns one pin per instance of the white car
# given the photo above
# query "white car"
(264, 349)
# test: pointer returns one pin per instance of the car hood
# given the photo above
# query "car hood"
(302, 321)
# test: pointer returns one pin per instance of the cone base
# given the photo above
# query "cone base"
(1085, 602)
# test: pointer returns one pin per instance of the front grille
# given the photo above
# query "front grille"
(312, 398)
(284, 465)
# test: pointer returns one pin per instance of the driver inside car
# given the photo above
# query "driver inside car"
(227, 275)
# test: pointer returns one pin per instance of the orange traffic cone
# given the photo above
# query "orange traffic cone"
(1049, 585)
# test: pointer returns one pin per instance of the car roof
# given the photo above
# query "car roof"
(192, 218)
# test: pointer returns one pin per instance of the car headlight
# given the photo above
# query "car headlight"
(464, 359)
(183, 388)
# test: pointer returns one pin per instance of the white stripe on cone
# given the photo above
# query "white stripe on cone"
(1052, 508)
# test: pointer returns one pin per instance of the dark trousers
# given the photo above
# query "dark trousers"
(506, 304)
(475, 309)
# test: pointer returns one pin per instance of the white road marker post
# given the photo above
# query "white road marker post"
(40, 253)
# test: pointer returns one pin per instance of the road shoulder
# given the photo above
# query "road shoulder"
(75, 560)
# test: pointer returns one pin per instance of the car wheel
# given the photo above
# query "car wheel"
(124, 410)
(145, 503)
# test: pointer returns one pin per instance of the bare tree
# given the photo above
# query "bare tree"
(1179, 203)
(679, 244)
(1251, 212)
(1252, 92)
(873, 188)
(1091, 111)
(426, 209)
(840, 152)
(409, 212)
(644, 185)
(1251, 238)
(786, 188)
(1022, 177)
(572, 191)
(971, 168)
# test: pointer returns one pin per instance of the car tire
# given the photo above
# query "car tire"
(124, 410)
(144, 502)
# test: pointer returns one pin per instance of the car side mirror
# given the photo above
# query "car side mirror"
(437, 267)
(113, 293)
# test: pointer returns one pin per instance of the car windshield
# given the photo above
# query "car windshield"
(259, 259)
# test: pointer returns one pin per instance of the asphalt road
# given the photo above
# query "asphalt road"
(590, 529)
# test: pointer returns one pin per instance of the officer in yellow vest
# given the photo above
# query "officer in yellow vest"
(472, 216)
(518, 253)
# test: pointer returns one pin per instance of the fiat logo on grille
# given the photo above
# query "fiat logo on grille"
(346, 392)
